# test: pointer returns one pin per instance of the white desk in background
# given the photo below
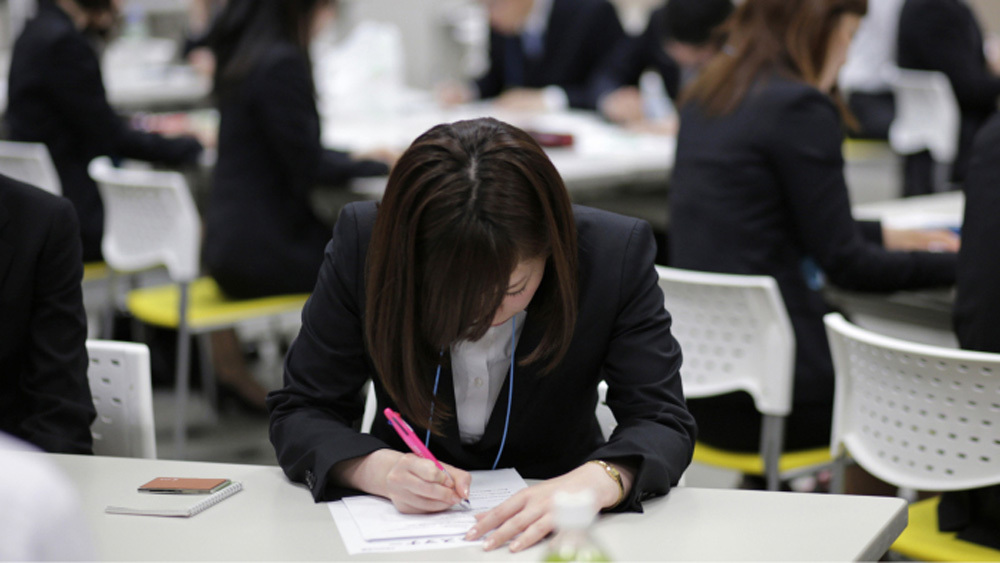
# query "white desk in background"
(603, 156)
(141, 74)
(918, 315)
(273, 519)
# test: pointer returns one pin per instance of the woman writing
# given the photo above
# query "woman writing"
(486, 309)
(758, 188)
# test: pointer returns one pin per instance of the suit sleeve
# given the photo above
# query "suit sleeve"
(285, 101)
(805, 145)
(977, 303)
(325, 370)
(61, 409)
(79, 93)
(655, 431)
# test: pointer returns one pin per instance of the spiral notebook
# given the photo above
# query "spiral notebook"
(178, 506)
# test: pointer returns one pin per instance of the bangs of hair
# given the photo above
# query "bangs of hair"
(464, 206)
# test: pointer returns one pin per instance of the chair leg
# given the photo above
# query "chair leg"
(837, 474)
(108, 322)
(183, 373)
(772, 437)
(208, 386)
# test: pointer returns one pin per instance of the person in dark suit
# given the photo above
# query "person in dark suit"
(262, 236)
(543, 53)
(758, 188)
(56, 96)
(977, 303)
(973, 514)
(486, 309)
(679, 39)
(944, 36)
(44, 391)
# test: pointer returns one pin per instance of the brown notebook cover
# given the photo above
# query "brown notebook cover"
(183, 485)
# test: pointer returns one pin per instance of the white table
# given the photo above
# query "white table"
(273, 519)
(603, 156)
(917, 315)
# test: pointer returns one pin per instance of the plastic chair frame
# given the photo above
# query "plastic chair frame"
(927, 404)
(30, 163)
(120, 381)
(770, 383)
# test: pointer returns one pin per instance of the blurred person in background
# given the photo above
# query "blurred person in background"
(758, 188)
(56, 96)
(945, 36)
(262, 236)
(542, 54)
(863, 78)
(679, 39)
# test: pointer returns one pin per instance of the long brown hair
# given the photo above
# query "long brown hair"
(788, 37)
(464, 205)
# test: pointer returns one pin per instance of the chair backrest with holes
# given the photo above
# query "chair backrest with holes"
(29, 163)
(120, 385)
(913, 415)
(150, 219)
(735, 335)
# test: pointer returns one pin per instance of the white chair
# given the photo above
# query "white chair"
(120, 385)
(927, 117)
(735, 335)
(918, 417)
(29, 163)
(150, 220)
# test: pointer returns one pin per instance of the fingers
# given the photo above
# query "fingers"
(416, 485)
(525, 518)
(462, 480)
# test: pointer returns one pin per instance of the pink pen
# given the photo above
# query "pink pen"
(413, 442)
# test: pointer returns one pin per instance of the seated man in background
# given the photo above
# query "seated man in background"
(679, 39)
(44, 393)
(543, 53)
(944, 36)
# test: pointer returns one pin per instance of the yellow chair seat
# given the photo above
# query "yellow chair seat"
(207, 307)
(866, 149)
(923, 541)
(93, 271)
(753, 463)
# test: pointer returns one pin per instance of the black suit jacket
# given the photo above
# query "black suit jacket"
(632, 56)
(622, 336)
(760, 191)
(44, 393)
(977, 303)
(261, 235)
(578, 37)
(56, 96)
(943, 35)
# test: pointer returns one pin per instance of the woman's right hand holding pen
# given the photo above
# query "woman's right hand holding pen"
(413, 484)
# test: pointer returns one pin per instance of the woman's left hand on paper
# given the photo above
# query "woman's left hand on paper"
(527, 517)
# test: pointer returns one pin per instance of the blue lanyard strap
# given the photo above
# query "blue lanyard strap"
(510, 397)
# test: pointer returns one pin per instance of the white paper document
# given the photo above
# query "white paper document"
(372, 524)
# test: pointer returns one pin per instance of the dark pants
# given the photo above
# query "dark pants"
(874, 113)
(731, 422)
